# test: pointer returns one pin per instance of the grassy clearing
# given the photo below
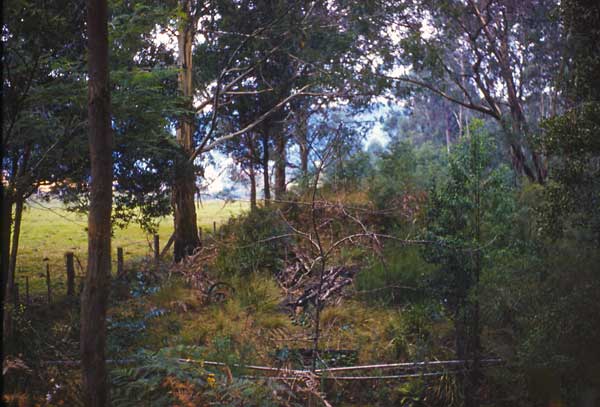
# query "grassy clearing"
(48, 231)
(254, 327)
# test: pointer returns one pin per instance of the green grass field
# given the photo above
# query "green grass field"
(48, 231)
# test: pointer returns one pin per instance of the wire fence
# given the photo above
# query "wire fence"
(404, 371)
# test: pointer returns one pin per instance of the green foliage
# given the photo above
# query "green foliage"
(552, 310)
(395, 175)
(142, 384)
(255, 243)
(572, 196)
(402, 175)
(432, 164)
(539, 304)
(466, 217)
(350, 173)
(467, 220)
(398, 277)
(416, 332)
(581, 22)
(22, 327)
(177, 375)
(570, 140)
(42, 93)
(48, 116)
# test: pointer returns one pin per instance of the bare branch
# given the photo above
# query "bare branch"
(472, 106)
(207, 147)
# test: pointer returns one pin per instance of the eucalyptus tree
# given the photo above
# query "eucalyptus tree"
(223, 74)
(44, 139)
(306, 43)
(494, 57)
(246, 151)
(97, 279)
(273, 79)
(144, 103)
(427, 117)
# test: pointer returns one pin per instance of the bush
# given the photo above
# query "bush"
(399, 279)
(249, 248)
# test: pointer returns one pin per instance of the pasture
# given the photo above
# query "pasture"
(49, 230)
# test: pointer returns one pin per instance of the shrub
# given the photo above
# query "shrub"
(399, 279)
(248, 246)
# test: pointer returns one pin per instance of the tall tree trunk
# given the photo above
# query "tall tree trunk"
(253, 159)
(519, 123)
(304, 151)
(19, 202)
(12, 267)
(18, 182)
(14, 246)
(18, 198)
(265, 165)
(304, 160)
(448, 123)
(184, 188)
(252, 176)
(184, 217)
(97, 279)
(7, 206)
(281, 161)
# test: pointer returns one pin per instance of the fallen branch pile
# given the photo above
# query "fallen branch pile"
(302, 285)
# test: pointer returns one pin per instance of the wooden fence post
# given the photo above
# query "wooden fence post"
(214, 228)
(119, 261)
(27, 291)
(156, 249)
(200, 235)
(70, 266)
(48, 283)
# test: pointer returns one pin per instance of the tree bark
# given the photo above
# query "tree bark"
(7, 206)
(281, 161)
(448, 123)
(19, 200)
(186, 231)
(304, 148)
(304, 160)
(252, 176)
(253, 160)
(14, 246)
(184, 187)
(96, 288)
(265, 165)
